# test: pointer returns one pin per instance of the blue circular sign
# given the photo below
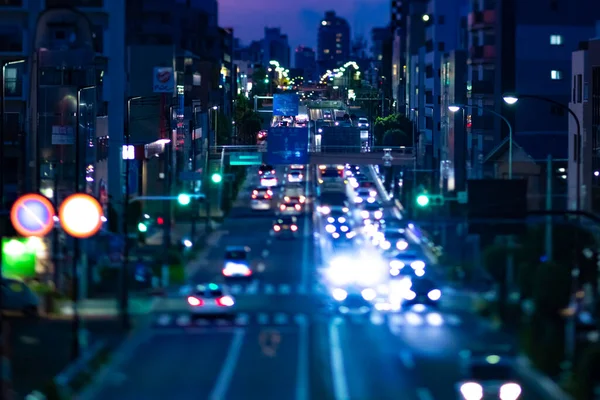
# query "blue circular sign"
(33, 215)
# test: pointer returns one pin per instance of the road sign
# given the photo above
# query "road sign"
(80, 215)
(190, 176)
(286, 105)
(32, 215)
(287, 146)
(245, 158)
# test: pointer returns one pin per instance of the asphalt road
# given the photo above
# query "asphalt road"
(285, 344)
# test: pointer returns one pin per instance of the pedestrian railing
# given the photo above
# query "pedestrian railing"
(393, 150)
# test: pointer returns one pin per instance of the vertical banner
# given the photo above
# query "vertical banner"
(180, 116)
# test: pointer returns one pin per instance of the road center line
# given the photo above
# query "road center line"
(302, 377)
(424, 394)
(220, 389)
(340, 386)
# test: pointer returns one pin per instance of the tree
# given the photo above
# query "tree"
(552, 290)
(588, 373)
(392, 122)
(259, 86)
(223, 125)
(247, 121)
(395, 138)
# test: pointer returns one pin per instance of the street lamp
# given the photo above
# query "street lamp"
(512, 99)
(2, 126)
(455, 107)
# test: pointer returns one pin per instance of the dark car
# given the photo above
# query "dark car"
(266, 169)
(423, 291)
(285, 226)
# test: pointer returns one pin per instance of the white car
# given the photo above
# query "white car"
(290, 208)
(237, 262)
(488, 376)
(211, 300)
(295, 176)
(261, 198)
(268, 181)
(363, 123)
(363, 194)
(19, 297)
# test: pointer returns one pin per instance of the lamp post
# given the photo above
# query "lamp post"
(194, 168)
(3, 126)
(511, 99)
(216, 109)
(455, 107)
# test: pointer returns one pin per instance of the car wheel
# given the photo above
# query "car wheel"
(31, 311)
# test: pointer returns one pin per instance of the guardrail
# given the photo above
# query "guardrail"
(394, 150)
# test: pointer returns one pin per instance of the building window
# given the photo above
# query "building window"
(579, 88)
(13, 82)
(338, 52)
(556, 75)
(326, 51)
(556, 40)
(11, 39)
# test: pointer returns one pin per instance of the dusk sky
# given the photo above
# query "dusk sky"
(300, 19)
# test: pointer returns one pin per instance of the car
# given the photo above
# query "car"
(350, 303)
(211, 300)
(295, 176)
(290, 207)
(261, 198)
(266, 169)
(268, 180)
(393, 238)
(18, 297)
(372, 211)
(262, 135)
(328, 175)
(237, 262)
(363, 194)
(296, 167)
(338, 223)
(487, 375)
(422, 291)
(285, 226)
(363, 122)
(297, 198)
(399, 263)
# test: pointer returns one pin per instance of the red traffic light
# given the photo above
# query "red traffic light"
(160, 220)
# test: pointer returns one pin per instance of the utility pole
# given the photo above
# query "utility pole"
(548, 238)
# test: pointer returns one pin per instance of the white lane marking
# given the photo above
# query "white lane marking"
(340, 386)
(280, 319)
(164, 319)
(183, 320)
(260, 267)
(285, 289)
(269, 241)
(377, 318)
(305, 243)
(452, 319)
(301, 289)
(265, 253)
(252, 288)
(269, 289)
(224, 378)
(302, 372)
(242, 319)
(236, 289)
(424, 394)
(407, 359)
(263, 318)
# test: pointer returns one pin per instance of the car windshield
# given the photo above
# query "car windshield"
(407, 256)
(373, 206)
(266, 168)
(394, 235)
(423, 286)
(491, 372)
(333, 198)
(288, 221)
(330, 173)
(209, 293)
(236, 255)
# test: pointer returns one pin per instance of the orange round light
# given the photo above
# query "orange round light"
(32, 215)
(81, 215)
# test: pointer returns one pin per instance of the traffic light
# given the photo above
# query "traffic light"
(142, 227)
(184, 199)
(422, 200)
(216, 178)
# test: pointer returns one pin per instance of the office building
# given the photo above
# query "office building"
(275, 47)
(333, 42)
(306, 61)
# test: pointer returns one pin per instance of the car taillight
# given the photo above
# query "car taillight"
(302, 199)
(286, 198)
(253, 196)
(282, 207)
(225, 301)
(270, 192)
(297, 207)
(276, 228)
(273, 171)
(260, 172)
(255, 192)
(194, 301)
(267, 196)
(294, 228)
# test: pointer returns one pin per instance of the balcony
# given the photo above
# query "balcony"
(482, 19)
(482, 54)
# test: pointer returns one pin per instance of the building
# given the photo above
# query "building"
(333, 42)
(585, 103)
(275, 47)
(379, 36)
(253, 53)
(306, 60)
(522, 47)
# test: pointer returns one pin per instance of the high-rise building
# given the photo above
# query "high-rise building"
(333, 42)
(378, 39)
(276, 47)
(306, 61)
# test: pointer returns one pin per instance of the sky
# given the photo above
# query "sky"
(300, 19)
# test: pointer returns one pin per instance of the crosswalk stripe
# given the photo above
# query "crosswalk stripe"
(164, 319)
(242, 319)
(285, 289)
(452, 319)
(377, 318)
(252, 289)
(269, 289)
(183, 320)
(301, 289)
(236, 289)
(280, 319)
(263, 319)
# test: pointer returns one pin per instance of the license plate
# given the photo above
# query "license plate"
(285, 226)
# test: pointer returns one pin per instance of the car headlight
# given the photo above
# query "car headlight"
(410, 295)
(341, 220)
(330, 228)
(396, 264)
(434, 295)
(320, 130)
(385, 245)
(373, 193)
(344, 228)
(331, 220)
(345, 209)
(378, 214)
(358, 200)
(364, 214)
(402, 245)
(324, 210)
(339, 294)
(417, 265)
(471, 391)
(510, 391)
(368, 294)
(335, 235)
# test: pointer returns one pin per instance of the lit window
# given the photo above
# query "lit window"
(556, 75)
(556, 40)
(338, 52)
(326, 51)
(339, 35)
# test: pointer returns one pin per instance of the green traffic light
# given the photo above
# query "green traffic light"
(423, 200)
(142, 227)
(217, 178)
(184, 199)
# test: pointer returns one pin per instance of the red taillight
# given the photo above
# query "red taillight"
(297, 207)
(225, 301)
(253, 196)
(260, 172)
(194, 301)
(294, 228)
(282, 207)
(160, 220)
(276, 228)
(273, 172)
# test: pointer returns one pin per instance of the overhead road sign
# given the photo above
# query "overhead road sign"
(245, 158)
(81, 215)
(32, 215)
(287, 146)
(326, 105)
(286, 105)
